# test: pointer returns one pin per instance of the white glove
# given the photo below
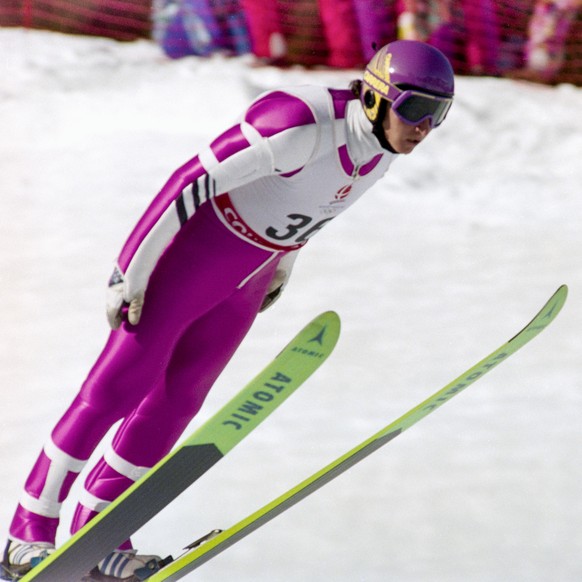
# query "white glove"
(279, 281)
(274, 290)
(117, 301)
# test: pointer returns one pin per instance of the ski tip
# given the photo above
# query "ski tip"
(559, 297)
(544, 317)
(331, 321)
(330, 317)
(563, 290)
(326, 328)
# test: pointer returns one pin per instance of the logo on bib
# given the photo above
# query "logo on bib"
(343, 192)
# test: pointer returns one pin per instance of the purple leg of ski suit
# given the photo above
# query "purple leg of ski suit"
(201, 299)
(276, 177)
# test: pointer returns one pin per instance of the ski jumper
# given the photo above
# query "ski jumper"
(204, 253)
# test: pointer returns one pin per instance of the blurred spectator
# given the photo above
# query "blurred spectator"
(306, 32)
(265, 29)
(467, 31)
(545, 48)
(538, 40)
(482, 37)
(200, 27)
(341, 32)
(286, 32)
(513, 17)
(376, 21)
(417, 19)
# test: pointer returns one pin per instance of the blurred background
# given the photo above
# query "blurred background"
(437, 265)
(533, 39)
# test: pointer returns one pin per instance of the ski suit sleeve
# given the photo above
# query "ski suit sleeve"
(276, 135)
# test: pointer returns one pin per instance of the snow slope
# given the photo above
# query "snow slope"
(441, 262)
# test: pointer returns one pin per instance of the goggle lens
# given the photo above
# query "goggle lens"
(413, 107)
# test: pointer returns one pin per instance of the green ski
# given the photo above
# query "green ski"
(196, 455)
(216, 542)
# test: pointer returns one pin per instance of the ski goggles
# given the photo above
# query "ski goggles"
(413, 107)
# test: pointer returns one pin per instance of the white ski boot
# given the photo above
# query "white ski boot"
(124, 566)
(21, 557)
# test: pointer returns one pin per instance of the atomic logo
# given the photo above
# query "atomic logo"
(318, 338)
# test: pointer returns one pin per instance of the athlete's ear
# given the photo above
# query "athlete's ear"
(369, 99)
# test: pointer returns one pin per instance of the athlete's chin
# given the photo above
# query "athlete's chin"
(406, 146)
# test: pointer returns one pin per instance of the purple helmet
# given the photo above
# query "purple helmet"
(405, 64)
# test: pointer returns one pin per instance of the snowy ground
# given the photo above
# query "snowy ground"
(441, 262)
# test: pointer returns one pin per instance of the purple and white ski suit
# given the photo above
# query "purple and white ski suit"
(204, 253)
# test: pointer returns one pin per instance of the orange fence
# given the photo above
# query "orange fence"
(118, 19)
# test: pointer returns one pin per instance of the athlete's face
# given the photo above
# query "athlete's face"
(403, 137)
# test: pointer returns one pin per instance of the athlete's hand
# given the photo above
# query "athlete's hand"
(280, 280)
(118, 305)
(274, 291)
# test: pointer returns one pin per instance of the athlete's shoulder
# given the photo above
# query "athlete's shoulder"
(285, 108)
(276, 111)
(326, 102)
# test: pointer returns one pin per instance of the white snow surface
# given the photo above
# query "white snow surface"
(442, 261)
